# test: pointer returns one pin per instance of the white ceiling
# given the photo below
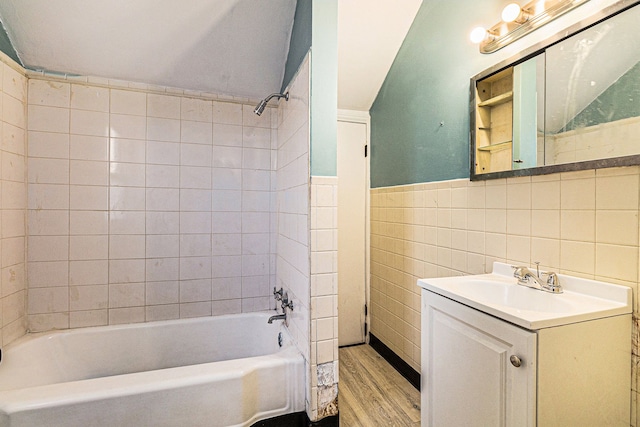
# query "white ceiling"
(231, 47)
(370, 32)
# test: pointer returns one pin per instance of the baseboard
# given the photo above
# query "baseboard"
(396, 361)
(297, 419)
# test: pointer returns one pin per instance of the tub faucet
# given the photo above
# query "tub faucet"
(282, 316)
(285, 304)
(527, 278)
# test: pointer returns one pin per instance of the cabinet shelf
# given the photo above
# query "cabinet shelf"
(496, 147)
(497, 100)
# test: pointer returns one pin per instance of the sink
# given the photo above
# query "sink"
(499, 294)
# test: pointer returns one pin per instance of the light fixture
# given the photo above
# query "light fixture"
(479, 34)
(514, 13)
(518, 21)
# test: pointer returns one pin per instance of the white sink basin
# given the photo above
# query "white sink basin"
(500, 295)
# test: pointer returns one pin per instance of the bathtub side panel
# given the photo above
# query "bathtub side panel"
(232, 393)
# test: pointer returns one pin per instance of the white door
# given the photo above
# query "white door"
(352, 187)
(476, 370)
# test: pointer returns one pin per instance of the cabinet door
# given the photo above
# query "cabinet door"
(467, 376)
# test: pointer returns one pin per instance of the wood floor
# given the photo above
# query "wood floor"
(372, 393)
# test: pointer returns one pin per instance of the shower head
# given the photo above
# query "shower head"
(260, 108)
(263, 104)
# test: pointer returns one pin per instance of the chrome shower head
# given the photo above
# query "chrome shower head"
(263, 104)
(260, 108)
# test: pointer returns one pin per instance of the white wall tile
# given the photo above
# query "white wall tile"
(93, 123)
(227, 113)
(44, 222)
(88, 247)
(91, 98)
(52, 94)
(164, 176)
(162, 269)
(159, 129)
(48, 144)
(127, 150)
(14, 83)
(227, 157)
(227, 135)
(127, 199)
(91, 198)
(127, 174)
(83, 147)
(195, 155)
(83, 172)
(48, 171)
(89, 272)
(151, 177)
(196, 132)
(162, 292)
(196, 110)
(163, 153)
(128, 102)
(164, 106)
(41, 118)
(127, 126)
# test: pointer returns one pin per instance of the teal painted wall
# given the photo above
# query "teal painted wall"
(324, 88)
(428, 84)
(300, 40)
(315, 28)
(6, 46)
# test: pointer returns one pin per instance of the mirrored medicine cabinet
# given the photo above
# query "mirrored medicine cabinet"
(570, 103)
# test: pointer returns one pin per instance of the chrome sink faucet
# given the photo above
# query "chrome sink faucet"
(527, 278)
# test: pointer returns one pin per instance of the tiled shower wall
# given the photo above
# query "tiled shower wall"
(13, 203)
(293, 181)
(145, 204)
(307, 245)
(580, 223)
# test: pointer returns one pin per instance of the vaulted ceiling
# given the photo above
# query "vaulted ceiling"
(232, 47)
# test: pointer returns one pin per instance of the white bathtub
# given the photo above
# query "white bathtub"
(214, 371)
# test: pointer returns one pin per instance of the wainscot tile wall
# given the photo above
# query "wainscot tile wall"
(324, 295)
(580, 223)
(145, 205)
(13, 200)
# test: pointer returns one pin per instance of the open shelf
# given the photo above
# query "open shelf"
(497, 100)
(496, 147)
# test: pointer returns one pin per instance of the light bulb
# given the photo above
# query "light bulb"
(511, 12)
(478, 34)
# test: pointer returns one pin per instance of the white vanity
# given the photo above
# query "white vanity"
(496, 353)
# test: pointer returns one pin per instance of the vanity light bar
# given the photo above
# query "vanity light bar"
(532, 16)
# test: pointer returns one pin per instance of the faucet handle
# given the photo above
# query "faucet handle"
(286, 303)
(553, 283)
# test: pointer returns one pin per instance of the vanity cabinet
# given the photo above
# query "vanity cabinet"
(479, 370)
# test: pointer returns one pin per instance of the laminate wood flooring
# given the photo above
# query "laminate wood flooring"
(372, 393)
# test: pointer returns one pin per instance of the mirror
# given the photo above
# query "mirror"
(574, 104)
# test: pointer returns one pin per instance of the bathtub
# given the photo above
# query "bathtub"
(212, 371)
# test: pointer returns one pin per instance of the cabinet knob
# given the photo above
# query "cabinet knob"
(515, 361)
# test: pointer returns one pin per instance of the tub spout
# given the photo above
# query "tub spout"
(282, 316)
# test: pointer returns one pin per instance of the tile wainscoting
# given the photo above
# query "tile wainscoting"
(580, 223)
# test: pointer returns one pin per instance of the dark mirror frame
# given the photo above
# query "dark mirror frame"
(537, 49)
